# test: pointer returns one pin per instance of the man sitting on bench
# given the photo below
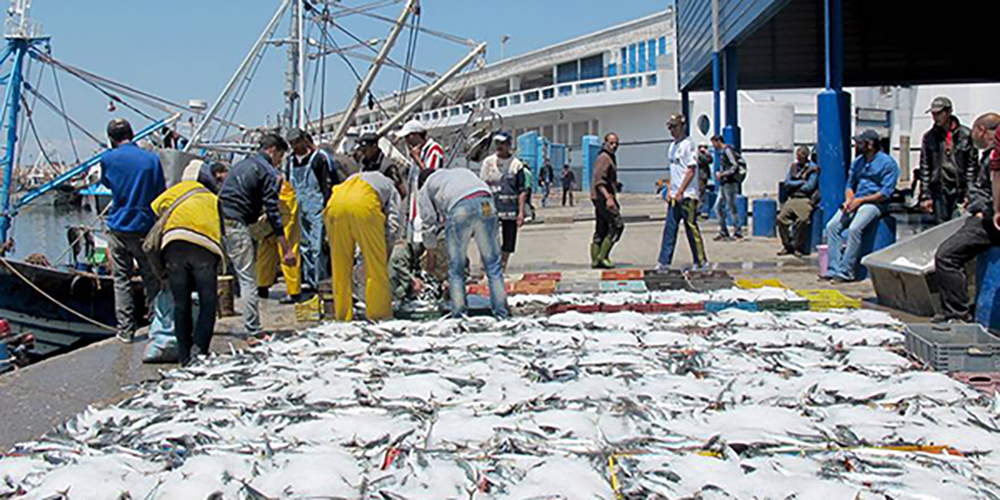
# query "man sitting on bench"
(870, 183)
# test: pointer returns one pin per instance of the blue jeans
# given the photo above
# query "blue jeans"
(727, 200)
(687, 212)
(312, 243)
(843, 262)
(546, 191)
(474, 218)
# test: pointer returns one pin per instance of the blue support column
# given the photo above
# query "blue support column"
(686, 110)
(12, 105)
(716, 106)
(732, 133)
(833, 107)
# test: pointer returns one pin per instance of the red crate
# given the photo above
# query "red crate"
(481, 290)
(613, 308)
(642, 308)
(553, 276)
(621, 275)
(987, 382)
(674, 308)
(585, 308)
(535, 287)
(558, 309)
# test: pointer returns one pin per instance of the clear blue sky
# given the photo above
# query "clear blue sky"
(184, 49)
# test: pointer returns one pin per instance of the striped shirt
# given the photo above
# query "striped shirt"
(432, 155)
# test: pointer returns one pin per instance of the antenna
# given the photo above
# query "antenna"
(19, 23)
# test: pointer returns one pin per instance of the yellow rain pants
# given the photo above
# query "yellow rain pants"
(354, 216)
(268, 249)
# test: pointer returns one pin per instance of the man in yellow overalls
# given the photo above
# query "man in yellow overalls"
(363, 211)
(268, 249)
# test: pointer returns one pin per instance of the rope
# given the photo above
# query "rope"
(62, 105)
(68, 309)
(91, 227)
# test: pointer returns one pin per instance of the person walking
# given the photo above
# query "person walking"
(682, 197)
(948, 163)
(191, 247)
(795, 218)
(250, 190)
(871, 181)
(506, 176)
(135, 178)
(729, 177)
(311, 177)
(568, 182)
(463, 204)
(364, 211)
(546, 176)
(978, 234)
(705, 160)
(604, 187)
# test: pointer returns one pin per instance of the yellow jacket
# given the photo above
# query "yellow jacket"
(196, 220)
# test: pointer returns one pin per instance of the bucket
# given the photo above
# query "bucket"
(823, 252)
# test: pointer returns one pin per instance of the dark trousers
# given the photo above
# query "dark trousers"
(567, 192)
(191, 268)
(946, 202)
(608, 222)
(794, 222)
(974, 238)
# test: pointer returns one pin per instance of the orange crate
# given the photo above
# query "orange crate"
(535, 287)
(621, 275)
(553, 276)
(484, 289)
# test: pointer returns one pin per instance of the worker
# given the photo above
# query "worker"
(461, 204)
(802, 188)
(209, 174)
(426, 154)
(364, 210)
(311, 175)
(608, 223)
(948, 163)
(871, 181)
(546, 176)
(682, 197)
(135, 179)
(506, 177)
(250, 189)
(978, 234)
(405, 268)
(729, 179)
(268, 249)
(192, 252)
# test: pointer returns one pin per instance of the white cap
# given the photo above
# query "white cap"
(412, 127)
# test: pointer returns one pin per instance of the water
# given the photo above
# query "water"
(41, 228)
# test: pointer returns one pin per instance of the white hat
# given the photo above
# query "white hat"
(412, 127)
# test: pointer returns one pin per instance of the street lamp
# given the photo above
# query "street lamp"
(503, 46)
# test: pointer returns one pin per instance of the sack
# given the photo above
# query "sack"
(152, 246)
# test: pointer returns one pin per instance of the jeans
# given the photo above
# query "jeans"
(125, 250)
(845, 252)
(242, 253)
(191, 269)
(727, 199)
(686, 211)
(474, 218)
(312, 243)
(546, 190)
(946, 202)
(975, 237)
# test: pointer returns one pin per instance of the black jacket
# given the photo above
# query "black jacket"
(251, 188)
(932, 151)
(732, 163)
(981, 191)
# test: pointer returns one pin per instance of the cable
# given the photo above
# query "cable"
(52, 106)
(62, 105)
(54, 300)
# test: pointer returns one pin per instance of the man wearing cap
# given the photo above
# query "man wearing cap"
(427, 154)
(871, 181)
(505, 175)
(682, 197)
(135, 179)
(948, 163)
(372, 159)
(604, 194)
(311, 176)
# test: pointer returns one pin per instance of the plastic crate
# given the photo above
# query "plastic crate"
(586, 308)
(715, 306)
(535, 287)
(484, 290)
(708, 281)
(621, 274)
(637, 286)
(665, 273)
(752, 284)
(782, 305)
(821, 300)
(954, 348)
(666, 280)
(988, 383)
(675, 308)
(578, 287)
(613, 308)
(553, 276)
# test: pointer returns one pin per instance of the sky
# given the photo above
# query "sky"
(189, 49)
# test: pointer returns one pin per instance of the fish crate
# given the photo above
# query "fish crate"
(781, 305)
(420, 314)
(227, 300)
(752, 284)
(535, 287)
(822, 300)
(708, 281)
(613, 308)
(714, 306)
(551, 276)
(954, 348)
(988, 383)
(668, 308)
(554, 309)
(666, 280)
(674, 273)
(621, 275)
(578, 287)
(309, 311)
(483, 290)
(636, 286)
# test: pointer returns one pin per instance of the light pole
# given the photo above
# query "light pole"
(503, 46)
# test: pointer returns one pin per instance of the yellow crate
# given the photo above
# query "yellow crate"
(751, 284)
(822, 300)
(309, 311)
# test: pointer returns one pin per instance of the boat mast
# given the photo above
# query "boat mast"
(295, 74)
(21, 34)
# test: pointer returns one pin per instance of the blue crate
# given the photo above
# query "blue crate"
(717, 306)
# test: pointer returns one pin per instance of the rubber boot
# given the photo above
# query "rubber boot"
(604, 257)
(595, 253)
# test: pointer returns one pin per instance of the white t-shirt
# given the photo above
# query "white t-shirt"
(681, 157)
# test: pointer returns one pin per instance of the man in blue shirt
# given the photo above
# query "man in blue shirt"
(870, 183)
(135, 179)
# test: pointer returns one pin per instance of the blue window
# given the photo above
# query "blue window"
(548, 93)
(631, 59)
(568, 72)
(652, 55)
(592, 68)
(663, 45)
(612, 70)
(624, 61)
(642, 57)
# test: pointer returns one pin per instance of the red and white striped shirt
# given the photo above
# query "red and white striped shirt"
(432, 155)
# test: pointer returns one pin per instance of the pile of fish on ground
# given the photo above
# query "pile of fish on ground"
(730, 405)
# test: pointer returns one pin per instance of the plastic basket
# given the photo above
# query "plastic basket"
(621, 274)
(781, 305)
(624, 286)
(988, 383)
(715, 306)
(752, 284)
(553, 276)
(535, 287)
(821, 300)
(954, 348)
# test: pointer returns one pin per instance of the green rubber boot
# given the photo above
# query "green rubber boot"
(604, 257)
(595, 254)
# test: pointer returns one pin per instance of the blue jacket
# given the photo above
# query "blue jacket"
(879, 176)
(802, 181)
(135, 179)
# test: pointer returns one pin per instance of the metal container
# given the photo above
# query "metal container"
(174, 162)
(911, 288)
(954, 348)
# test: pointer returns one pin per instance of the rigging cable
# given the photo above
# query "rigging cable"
(62, 106)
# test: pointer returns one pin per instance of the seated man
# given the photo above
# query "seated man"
(802, 186)
(870, 183)
(404, 272)
(977, 235)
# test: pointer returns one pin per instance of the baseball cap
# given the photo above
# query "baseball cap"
(298, 135)
(501, 137)
(368, 139)
(412, 127)
(939, 104)
(868, 136)
(675, 119)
